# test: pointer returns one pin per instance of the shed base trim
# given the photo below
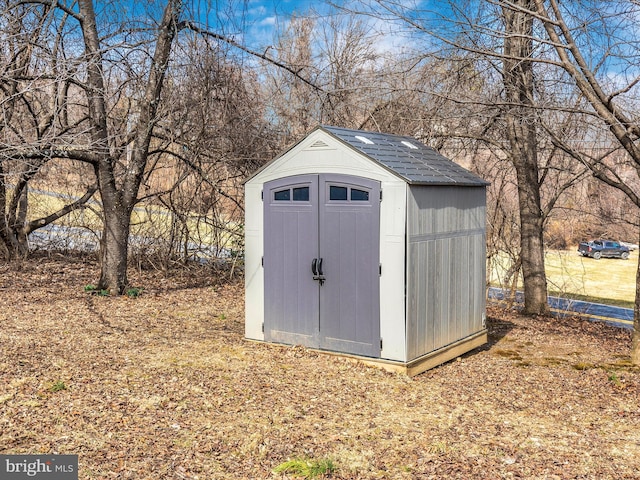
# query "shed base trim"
(427, 361)
(420, 364)
(444, 354)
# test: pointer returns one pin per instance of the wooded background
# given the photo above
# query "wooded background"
(127, 109)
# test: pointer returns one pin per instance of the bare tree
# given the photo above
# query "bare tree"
(119, 195)
(521, 129)
(613, 104)
(214, 132)
(295, 103)
(112, 113)
(353, 73)
(351, 80)
(33, 105)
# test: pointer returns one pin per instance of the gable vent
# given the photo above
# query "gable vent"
(318, 144)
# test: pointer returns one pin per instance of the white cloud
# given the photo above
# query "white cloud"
(257, 11)
(268, 22)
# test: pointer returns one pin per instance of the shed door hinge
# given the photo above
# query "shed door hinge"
(262, 327)
(380, 269)
(380, 344)
(380, 195)
(262, 261)
(262, 195)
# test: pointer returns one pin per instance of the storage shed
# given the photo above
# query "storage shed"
(367, 245)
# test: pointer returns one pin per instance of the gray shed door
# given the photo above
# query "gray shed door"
(321, 262)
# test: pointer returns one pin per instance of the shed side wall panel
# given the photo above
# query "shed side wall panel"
(445, 266)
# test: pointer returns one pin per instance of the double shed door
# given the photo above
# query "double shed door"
(321, 262)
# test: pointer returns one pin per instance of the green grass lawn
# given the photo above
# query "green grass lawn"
(609, 281)
(148, 221)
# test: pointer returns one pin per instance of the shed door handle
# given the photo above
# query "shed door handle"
(316, 269)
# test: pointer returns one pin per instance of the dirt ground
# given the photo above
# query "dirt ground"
(164, 386)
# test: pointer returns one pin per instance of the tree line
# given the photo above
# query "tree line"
(175, 103)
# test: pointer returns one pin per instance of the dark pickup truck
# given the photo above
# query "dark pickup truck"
(603, 249)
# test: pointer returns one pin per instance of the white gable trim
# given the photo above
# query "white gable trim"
(320, 152)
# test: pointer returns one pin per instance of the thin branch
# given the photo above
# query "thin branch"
(79, 203)
(191, 26)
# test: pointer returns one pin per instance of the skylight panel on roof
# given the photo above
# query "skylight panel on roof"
(364, 139)
(409, 144)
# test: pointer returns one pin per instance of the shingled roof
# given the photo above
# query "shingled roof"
(408, 158)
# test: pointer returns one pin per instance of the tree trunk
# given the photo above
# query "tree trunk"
(115, 234)
(11, 248)
(13, 233)
(635, 341)
(113, 252)
(21, 233)
(521, 131)
(531, 226)
(5, 234)
(114, 244)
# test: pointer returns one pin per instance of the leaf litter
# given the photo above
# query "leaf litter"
(164, 386)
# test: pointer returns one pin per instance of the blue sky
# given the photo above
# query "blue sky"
(280, 7)
(264, 17)
(232, 16)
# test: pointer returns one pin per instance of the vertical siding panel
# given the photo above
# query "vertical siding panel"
(454, 288)
(446, 271)
(467, 282)
(414, 298)
(413, 284)
(435, 274)
(463, 285)
(430, 315)
(424, 336)
(474, 313)
(457, 286)
(445, 324)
